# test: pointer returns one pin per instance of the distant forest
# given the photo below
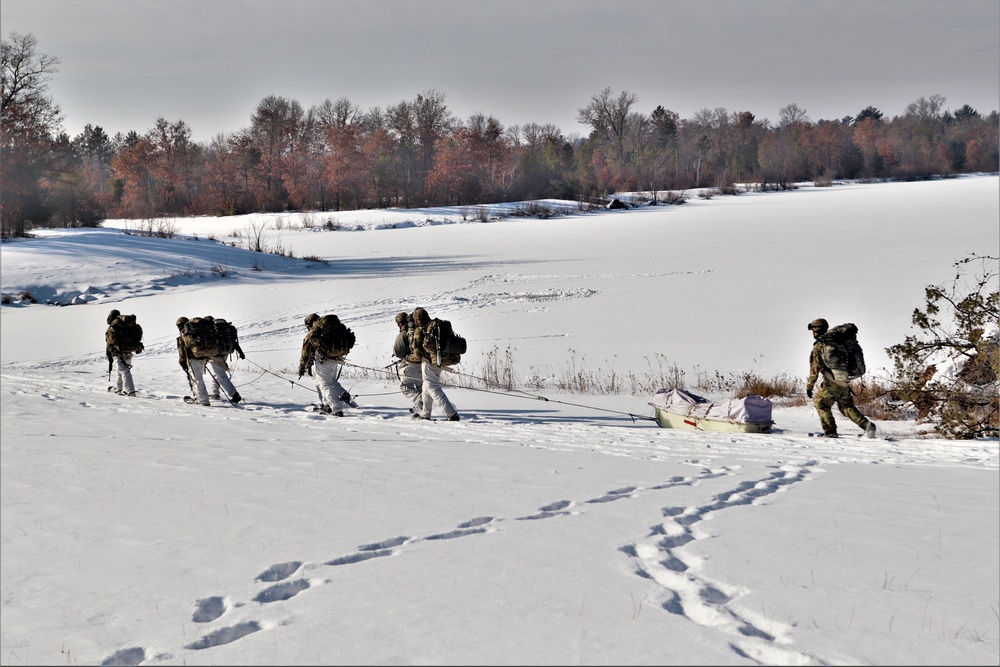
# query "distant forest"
(338, 156)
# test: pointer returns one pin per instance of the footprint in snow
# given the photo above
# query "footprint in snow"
(471, 527)
(548, 511)
(208, 609)
(224, 636)
(279, 571)
(280, 592)
(125, 656)
(616, 494)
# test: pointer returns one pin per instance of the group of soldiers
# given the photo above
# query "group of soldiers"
(416, 347)
(419, 367)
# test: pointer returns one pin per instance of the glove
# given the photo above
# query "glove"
(242, 356)
(140, 348)
(809, 393)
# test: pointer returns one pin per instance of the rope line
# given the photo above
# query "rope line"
(524, 394)
(515, 393)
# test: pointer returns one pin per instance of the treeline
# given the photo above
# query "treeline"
(336, 155)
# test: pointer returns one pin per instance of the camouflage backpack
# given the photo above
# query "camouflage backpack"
(227, 335)
(124, 335)
(200, 337)
(331, 337)
(450, 346)
(842, 353)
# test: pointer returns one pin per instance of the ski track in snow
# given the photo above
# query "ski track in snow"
(659, 556)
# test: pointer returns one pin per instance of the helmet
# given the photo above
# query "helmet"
(181, 321)
(420, 317)
(819, 326)
(401, 319)
(310, 318)
(113, 315)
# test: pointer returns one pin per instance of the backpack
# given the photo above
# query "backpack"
(331, 337)
(842, 353)
(449, 342)
(200, 337)
(124, 335)
(227, 335)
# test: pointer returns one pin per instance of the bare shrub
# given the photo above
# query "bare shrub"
(674, 198)
(874, 398)
(824, 180)
(498, 372)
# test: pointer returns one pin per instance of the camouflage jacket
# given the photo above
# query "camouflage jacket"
(415, 337)
(308, 353)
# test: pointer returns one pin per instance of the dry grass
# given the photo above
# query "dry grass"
(496, 372)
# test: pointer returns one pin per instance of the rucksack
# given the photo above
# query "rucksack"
(331, 337)
(449, 342)
(842, 352)
(200, 337)
(227, 335)
(124, 335)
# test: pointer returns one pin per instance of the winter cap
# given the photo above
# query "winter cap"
(310, 318)
(181, 321)
(113, 315)
(819, 325)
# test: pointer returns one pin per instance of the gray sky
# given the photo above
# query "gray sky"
(124, 63)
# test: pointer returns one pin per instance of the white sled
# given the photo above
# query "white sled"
(677, 408)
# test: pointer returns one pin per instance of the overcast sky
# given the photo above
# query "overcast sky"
(125, 63)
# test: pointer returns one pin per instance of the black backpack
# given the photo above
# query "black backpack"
(227, 335)
(200, 337)
(842, 352)
(449, 342)
(124, 335)
(331, 337)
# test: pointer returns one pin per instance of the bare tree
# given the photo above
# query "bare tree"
(608, 116)
(792, 114)
(29, 123)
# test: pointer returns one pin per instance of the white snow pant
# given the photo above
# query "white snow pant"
(432, 391)
(123, 368)
(220, 377)
(326, 372)
(196, 374)
(411, 384)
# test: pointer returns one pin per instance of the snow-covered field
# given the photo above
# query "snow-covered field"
(545, 527)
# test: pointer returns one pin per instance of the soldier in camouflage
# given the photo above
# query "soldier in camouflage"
(831, 391)
(334, 399)
(408, 371)
(424, 352)
(119, 358)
